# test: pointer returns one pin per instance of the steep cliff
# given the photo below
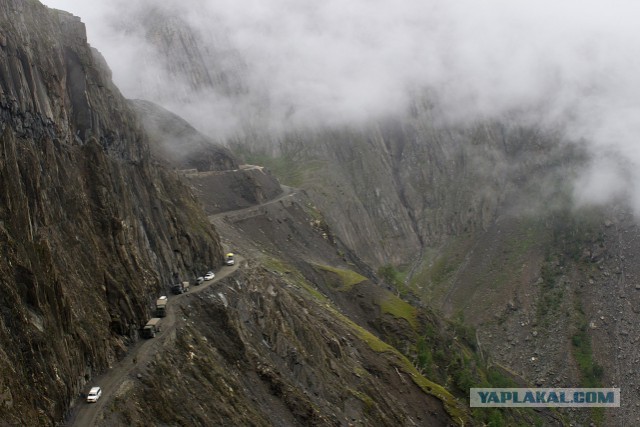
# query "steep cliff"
(90, 228)
(174, 50)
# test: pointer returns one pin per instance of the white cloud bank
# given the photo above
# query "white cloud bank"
(573, 62)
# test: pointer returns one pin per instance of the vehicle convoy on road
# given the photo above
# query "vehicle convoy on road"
(161, 306)
(87, 414)
(151, 328)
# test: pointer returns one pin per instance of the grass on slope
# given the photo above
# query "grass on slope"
(280, 267)
(395, 305)
(399, 309)
(390, 304)
(348, 278)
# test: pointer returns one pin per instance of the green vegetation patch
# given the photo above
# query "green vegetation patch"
(399, 309)
(295, 277)
(395, 278)
(591, 371)
(453, 407)
(424, 356)
(348, 278)
(375, 343)
(368, 402)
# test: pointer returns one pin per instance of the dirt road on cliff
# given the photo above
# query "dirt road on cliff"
(85, 414)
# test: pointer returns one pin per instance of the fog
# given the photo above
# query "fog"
(572, 64)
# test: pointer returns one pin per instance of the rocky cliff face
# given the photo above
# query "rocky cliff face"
(90, 229)
(397, 189)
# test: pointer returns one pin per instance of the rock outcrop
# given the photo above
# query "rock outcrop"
(177, 144)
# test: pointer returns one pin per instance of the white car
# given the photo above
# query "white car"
(94, 394)
(209, 276)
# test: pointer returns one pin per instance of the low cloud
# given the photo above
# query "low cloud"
(574, 64)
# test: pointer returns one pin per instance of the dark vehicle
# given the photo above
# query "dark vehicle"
(151, 328)
(177, 289)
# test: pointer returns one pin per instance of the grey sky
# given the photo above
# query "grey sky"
(572, 62)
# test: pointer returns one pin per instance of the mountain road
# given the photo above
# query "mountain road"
(85, 414)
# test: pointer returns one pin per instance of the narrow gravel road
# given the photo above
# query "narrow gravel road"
(85, 414)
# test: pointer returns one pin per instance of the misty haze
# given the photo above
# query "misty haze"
(283, 65)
